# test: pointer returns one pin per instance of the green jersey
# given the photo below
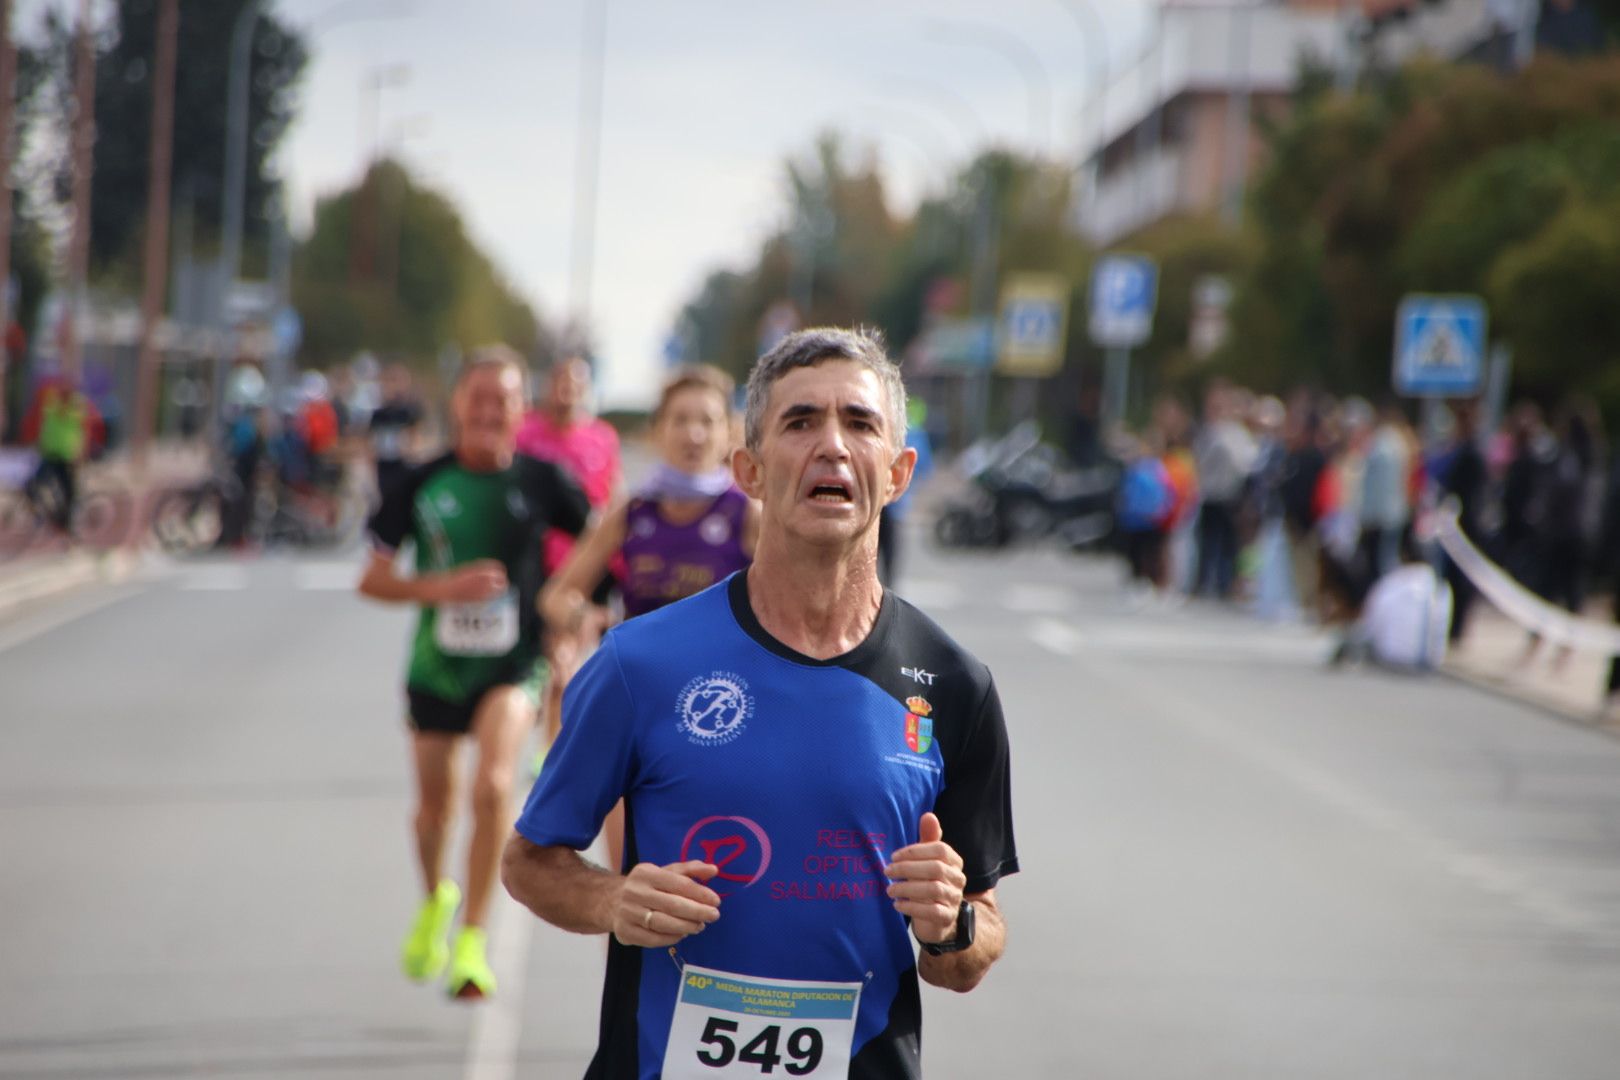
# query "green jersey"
(453, 516)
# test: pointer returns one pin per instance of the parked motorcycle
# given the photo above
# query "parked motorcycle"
(1019, 490)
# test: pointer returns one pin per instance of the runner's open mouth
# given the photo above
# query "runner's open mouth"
(830, 493)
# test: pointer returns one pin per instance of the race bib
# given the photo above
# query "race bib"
(485, 629)
(740, 1025)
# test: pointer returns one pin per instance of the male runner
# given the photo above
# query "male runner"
(808, 764)
(476, 517)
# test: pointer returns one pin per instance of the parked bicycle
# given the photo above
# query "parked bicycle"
(37, 511)
(326, 513)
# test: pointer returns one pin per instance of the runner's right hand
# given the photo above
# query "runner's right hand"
(483, 579)
(680, 903)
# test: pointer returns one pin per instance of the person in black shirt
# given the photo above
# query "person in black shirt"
(1464, 479)
(1301, 474)
(393, 427)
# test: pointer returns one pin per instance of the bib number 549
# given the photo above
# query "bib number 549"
(720, 1039)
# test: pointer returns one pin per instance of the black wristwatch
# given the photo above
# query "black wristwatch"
(964, 934)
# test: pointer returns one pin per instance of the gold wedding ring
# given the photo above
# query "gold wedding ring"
(646, 920)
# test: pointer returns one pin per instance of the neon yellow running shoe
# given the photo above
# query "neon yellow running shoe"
(470, 976)
(426, 949)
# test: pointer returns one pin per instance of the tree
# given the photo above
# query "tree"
(1435, 178)
(124, 116)
(389, 267)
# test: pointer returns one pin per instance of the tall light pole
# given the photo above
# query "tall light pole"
(84, 142)
(1091, 29)
(587, 164)
(1150, 129)
(1238, 106)
(1013, 49)
(236, 122)
(159, 162)
(363, 229)
(237, 100)
(8, 97)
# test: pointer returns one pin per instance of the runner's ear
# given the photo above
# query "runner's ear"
(745, 469)
(900, 473)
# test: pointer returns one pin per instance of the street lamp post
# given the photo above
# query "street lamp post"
(1015, 51)
(236, 120)
(587, 164)
(8, 98)
(1092, 32)
(161, 156)
(1238, 107)
(84, 141)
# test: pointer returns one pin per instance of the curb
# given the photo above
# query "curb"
(1589, 719)
(59, 574)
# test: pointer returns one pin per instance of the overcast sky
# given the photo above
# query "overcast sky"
(703, 99)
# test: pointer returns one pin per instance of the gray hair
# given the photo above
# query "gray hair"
(807, 348)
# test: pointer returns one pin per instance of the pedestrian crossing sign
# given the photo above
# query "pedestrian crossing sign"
(1033, 325)
(1440, 346)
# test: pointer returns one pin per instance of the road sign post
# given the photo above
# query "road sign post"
(1031, 332)
(1440, 346)
(1124, 292)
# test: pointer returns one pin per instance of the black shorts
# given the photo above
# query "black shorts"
(431, 713)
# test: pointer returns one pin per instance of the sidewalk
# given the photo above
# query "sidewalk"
(51, 568)
(1490, 657)
(32, 578)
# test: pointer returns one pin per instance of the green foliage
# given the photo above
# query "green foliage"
(1186, 249)
(389, 267)
(124, 117)
(1554, 297)
(842, 257)
(1437, 178)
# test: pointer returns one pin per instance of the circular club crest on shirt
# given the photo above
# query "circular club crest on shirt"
(714, 709)
(715, 530)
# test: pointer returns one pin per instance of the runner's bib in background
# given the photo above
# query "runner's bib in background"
(739, 1025)
(489, 628)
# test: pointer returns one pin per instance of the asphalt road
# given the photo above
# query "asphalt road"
(1237, 864)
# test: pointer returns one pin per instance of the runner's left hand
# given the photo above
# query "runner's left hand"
(928, 882)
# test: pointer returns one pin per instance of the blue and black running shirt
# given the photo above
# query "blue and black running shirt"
(797, 778)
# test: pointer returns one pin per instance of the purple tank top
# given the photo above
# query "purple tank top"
(668, 562)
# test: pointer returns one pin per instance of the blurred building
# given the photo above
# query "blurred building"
(1172, 132)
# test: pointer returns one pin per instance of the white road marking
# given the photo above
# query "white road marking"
(1065, 639)
(1471, 867)
(492, 1045)
(215, 579)
(60, 615)
(932, 595)
(1054, 636)
(1037, 599)
(327, 577)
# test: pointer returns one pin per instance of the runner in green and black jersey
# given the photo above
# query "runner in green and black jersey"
(475, 518)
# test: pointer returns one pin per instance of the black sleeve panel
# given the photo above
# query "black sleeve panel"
(975, 809)
(914, 657)
(391, 523)
(561, 500)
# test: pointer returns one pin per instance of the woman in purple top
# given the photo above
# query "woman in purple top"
(687, 528)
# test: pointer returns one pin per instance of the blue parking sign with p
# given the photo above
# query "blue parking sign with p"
(1124, 292)
(1440, 346)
